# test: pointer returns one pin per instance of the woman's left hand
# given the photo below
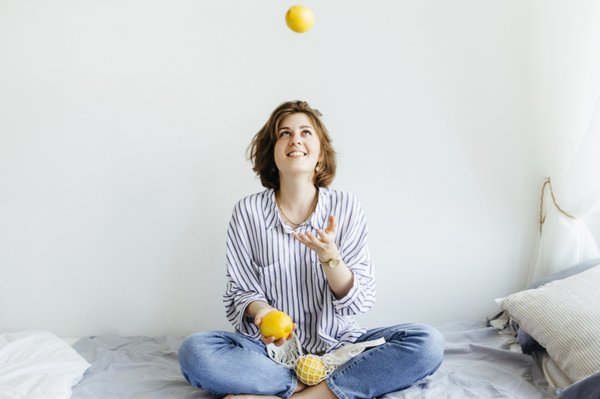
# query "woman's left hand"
(322, 243)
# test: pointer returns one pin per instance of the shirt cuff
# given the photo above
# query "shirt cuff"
(342, 305)
(244, 324)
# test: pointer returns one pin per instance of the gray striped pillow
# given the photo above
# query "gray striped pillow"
(564, 317)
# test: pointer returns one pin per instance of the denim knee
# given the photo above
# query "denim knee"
(194, 343)
(225, 363)
(432, 346)
(194, 353)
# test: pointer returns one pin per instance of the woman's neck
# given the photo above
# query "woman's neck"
(297, 198)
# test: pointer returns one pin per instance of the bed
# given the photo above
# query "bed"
(482, 359)
(478, 363)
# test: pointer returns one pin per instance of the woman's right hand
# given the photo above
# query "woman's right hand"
(270, 340)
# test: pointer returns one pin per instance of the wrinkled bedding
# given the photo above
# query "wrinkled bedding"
(477, 364)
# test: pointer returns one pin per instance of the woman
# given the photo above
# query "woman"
(301, 248)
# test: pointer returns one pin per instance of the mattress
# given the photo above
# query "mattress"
(550, 370)
(478, 363)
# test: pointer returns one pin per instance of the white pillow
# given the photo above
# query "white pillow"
(38, 364)
(564, 317)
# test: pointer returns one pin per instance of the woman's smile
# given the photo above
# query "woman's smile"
(296, 154)
(298, 147)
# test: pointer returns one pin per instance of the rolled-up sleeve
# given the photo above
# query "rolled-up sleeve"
(243, 286)
(355, 253)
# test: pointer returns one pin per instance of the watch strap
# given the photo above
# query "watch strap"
(328, 263)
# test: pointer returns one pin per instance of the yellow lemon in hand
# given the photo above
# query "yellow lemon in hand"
(310, 369)
(276, 324)
(299, 19)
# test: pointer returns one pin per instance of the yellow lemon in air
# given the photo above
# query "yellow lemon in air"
(299, 19)
(276, 324)
(310, 369)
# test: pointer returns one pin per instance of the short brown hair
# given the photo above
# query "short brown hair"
(261, 149)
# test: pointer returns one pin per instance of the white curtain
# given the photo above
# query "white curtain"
(565, 239)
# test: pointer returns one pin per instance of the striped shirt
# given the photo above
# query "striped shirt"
(266, 263)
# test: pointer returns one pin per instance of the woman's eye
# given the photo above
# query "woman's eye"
(307, 131)
(283, 133)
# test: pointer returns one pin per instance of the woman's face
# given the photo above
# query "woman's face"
(298, 148)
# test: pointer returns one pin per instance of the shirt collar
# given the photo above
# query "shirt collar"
(318, 219)
(272, 215)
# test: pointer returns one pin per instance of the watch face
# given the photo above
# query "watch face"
(334, 262)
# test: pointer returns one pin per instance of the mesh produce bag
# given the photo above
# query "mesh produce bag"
(312, 369)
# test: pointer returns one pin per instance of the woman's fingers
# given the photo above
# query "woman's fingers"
(297, 237)
(320, 238)
(279, 342)
(283, 340)
(268, 340)
(313, 238)
(306, 239)
(325, 236)
(332, 225)
(320, 242)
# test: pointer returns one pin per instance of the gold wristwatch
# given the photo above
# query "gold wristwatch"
(332, 262)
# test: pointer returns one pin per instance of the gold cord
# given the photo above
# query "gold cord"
(310, 211)
(542, 216)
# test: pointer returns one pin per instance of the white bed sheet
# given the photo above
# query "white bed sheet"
(552, 373)
(38, 365)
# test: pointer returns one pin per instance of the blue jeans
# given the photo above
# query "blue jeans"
(226, 363)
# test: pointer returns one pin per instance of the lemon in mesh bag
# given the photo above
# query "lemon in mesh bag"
(312, 369)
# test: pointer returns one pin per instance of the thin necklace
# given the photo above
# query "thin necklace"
(310, 211)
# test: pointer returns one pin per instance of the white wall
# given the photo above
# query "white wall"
(123, 127)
